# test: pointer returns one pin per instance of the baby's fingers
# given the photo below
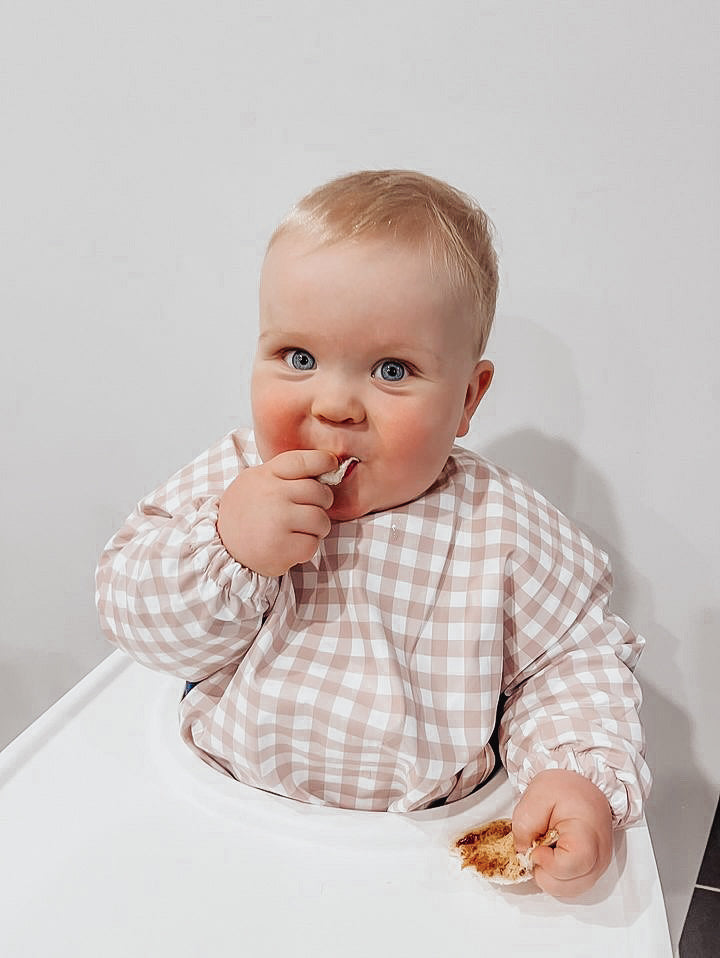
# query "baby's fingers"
(573, 856)
(572, 866)
(309, 520)
(570, 888)
(302, 546)
(310, 492)
(302, 463)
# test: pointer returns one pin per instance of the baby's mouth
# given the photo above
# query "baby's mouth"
(336, 476)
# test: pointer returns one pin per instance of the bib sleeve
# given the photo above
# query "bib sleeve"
(167, 590)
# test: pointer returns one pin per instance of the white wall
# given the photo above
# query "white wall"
(149, 148)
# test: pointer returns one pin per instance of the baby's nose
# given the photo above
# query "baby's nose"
(336, 403)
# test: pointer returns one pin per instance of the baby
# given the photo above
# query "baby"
(354, 644)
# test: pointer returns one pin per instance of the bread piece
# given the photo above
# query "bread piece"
(336, 476)
(490, 850)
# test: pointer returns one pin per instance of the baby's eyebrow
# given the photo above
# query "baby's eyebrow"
(406, 349)
(286, 335)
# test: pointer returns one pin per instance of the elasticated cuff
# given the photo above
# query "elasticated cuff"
(219, 574)
(620, 786)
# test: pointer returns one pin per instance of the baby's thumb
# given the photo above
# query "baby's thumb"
(528, 822)
(543, 857)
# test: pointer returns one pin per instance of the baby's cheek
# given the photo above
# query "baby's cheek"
(417, 446)
(276, 428)
(409, 434)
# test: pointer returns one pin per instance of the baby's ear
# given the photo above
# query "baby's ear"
(478, 385)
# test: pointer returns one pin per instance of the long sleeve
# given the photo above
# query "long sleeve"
(167, 591)
(572, 700)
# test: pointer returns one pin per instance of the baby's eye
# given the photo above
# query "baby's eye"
(299, 359)
(391, 370)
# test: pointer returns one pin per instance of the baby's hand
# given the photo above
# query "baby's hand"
(273, 516)
(581, 815)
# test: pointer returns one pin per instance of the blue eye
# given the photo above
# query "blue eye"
(392, 370)
(299, 359)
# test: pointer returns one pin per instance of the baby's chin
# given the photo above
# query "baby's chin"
(357, 495)
(346, 512)
(348, 507)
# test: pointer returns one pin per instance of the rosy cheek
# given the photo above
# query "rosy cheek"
(416, 446)
(405, 435)
(276, 426)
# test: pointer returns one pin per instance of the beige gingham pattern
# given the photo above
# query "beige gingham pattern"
(370, 676)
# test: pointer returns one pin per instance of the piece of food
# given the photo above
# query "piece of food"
(335, 477)
(490, 850)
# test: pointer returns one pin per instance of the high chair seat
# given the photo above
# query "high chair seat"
(117, 840)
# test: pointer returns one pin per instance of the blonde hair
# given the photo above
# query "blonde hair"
(413, 208)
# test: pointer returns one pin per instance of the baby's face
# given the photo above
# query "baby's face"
(362, 353)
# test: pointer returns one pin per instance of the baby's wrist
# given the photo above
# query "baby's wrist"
(567, 787)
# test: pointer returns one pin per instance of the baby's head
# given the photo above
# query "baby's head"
(444, 227)
(376, 301)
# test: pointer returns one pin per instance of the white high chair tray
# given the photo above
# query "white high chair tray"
(117, 841)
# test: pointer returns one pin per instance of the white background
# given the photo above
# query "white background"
(149, 148)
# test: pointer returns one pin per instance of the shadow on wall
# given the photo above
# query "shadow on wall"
(681, 793)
